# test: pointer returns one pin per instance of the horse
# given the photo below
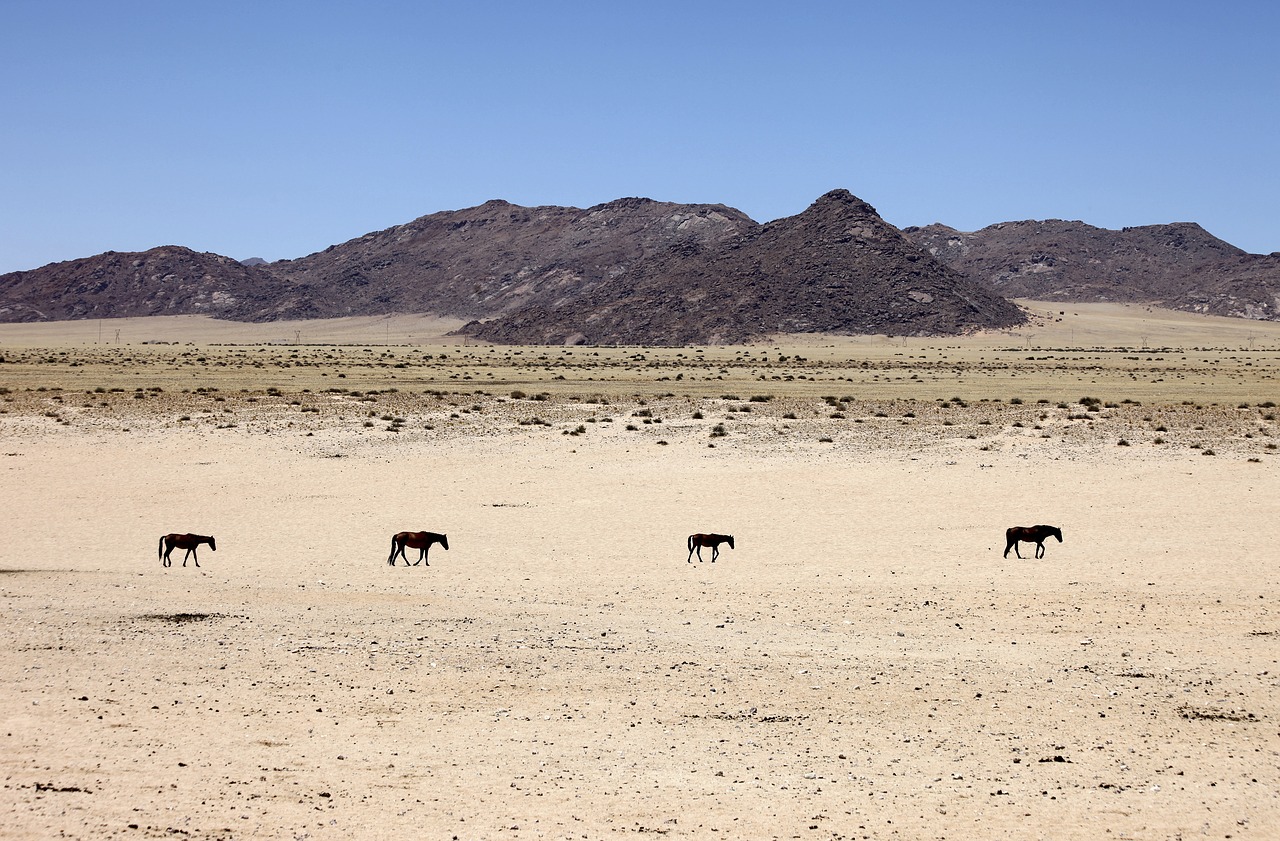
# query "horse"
(697, 541)
(1030, 534)
(415, 540)
(169, 542)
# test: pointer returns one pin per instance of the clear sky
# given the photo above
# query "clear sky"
(274, 129)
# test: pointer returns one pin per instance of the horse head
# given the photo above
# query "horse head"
(444, 541)
(1057, 532)
(730, 537)
(212, 545)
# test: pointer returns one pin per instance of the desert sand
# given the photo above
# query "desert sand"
(865, 663)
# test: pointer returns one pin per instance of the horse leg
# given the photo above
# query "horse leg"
(1009, 545)
(1040, 549)
(715, 553)
(391, 559)
(1015, 549)
(690, 558)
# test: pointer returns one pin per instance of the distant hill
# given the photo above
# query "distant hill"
(487, 260)
(170, 280)
(638, 271)
(835, 268)
(630, 270)
(1180, 266)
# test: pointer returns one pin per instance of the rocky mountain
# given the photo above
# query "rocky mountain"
(487, 260)
(637, 271)
(631, 270)
(1180, 266)
(835, 268)
(169, 280)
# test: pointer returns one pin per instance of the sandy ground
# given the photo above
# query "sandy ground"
(864, 664)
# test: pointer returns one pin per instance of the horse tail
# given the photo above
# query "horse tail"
(160, 549)
(690, 543)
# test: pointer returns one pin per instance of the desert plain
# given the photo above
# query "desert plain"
(866, 662)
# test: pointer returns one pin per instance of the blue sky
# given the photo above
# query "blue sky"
(275, 129)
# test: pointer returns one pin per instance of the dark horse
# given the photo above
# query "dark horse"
(415, 540)
(697, 541)
(1030, 534)
(183, 541)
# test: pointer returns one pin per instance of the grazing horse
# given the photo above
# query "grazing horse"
(1030, 534)
(169, 542)
(415, 540)
(697, 541)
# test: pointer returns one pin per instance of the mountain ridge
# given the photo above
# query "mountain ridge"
(836, 267)
(635, 270)
(1178, 265)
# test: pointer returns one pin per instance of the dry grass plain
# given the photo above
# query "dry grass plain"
(864, 664)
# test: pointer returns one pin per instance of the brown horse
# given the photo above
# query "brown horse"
(1029, 534)
(697, 541)
(415, 540)
(169, 542)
